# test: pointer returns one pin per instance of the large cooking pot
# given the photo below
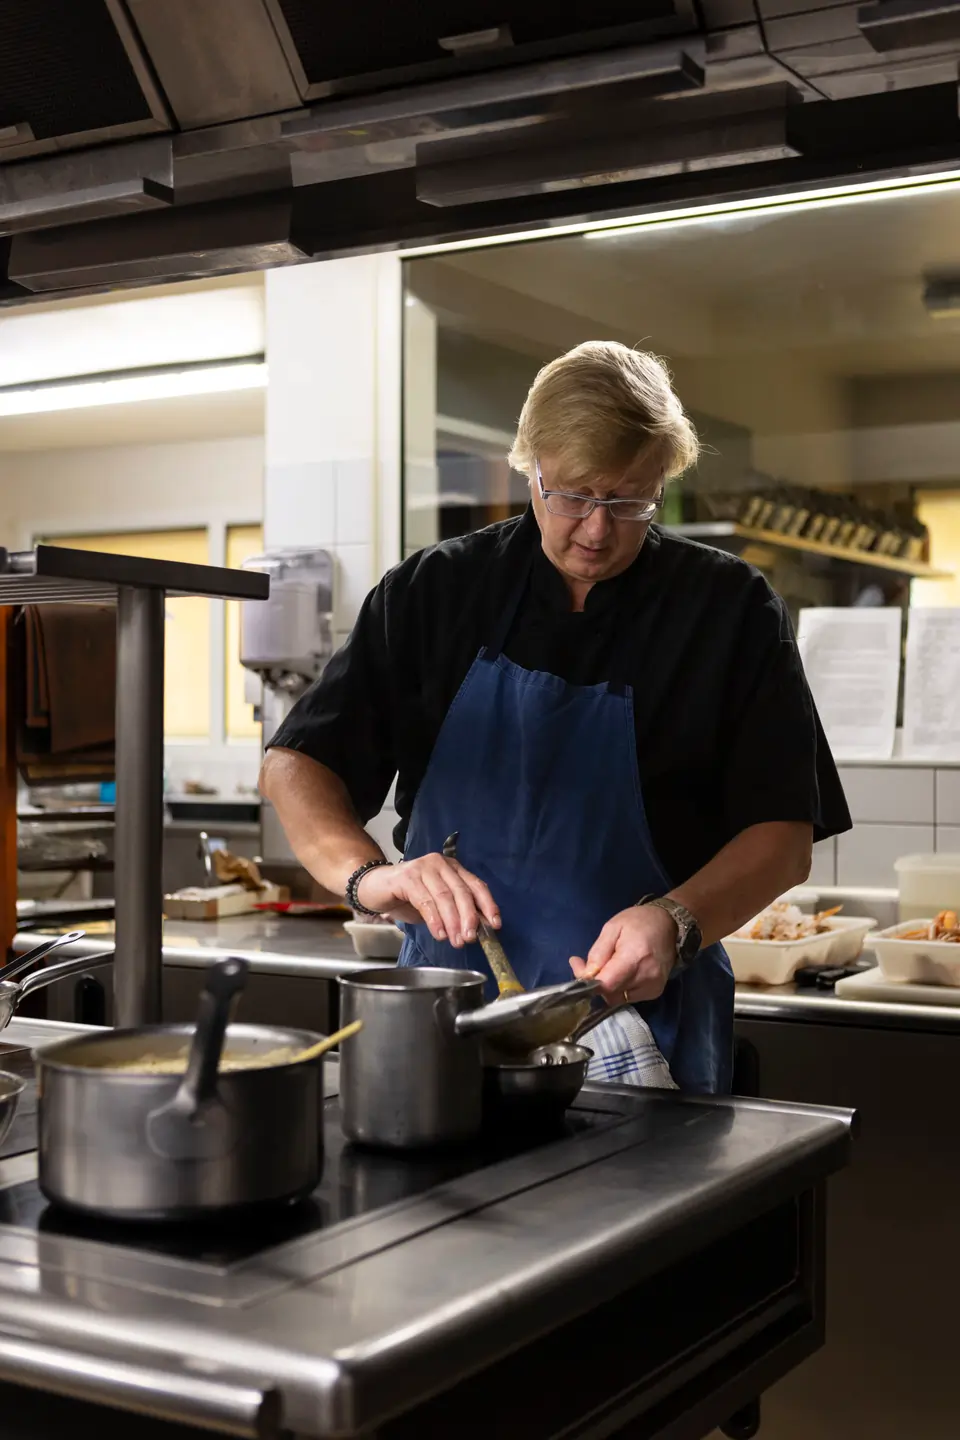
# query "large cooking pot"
(408, 1080)
(133, 1144)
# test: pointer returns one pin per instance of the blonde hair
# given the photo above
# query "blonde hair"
(598, 408)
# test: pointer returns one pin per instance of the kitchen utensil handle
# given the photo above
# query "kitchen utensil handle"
(229, 1405)
(503, 971)
(602, 1012)
(224, 982)
(79, 965)
(23, 963)
(490, 1018)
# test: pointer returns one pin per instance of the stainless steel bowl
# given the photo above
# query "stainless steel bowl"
(538, 1089)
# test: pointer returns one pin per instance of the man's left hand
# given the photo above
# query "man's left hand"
(633, 956)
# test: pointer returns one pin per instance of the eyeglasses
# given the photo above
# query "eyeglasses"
(578, 507)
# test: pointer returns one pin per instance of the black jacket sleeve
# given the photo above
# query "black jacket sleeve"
(345, 719)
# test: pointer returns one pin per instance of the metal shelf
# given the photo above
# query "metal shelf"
(140, 589)
(52, 573)
(711, 530)
(92, 815)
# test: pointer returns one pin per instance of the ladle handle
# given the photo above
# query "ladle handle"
(503, 971)
(224, 982)
(195, 1124)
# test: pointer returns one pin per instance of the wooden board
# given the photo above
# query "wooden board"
(220, 901)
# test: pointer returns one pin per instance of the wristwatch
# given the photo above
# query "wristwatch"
(689, 938)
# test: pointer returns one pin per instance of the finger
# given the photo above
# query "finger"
(481, 896)
(462, 898)
(578, 966)
(446, 903)
(602, 950)
(427, 907)
(624, 977)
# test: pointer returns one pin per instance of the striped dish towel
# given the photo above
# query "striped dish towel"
(625, 1053)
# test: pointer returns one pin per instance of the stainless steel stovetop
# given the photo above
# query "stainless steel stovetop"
(365, 1199)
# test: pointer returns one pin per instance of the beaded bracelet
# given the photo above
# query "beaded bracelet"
(354, 881)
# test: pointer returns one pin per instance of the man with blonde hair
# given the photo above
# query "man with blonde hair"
(614, 718)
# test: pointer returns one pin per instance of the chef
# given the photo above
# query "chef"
(613, 717)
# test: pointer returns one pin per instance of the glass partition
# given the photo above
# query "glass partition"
(817, 348)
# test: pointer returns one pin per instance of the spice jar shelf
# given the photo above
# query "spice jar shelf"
(714, 531)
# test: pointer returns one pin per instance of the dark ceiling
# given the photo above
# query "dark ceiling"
(156, 139)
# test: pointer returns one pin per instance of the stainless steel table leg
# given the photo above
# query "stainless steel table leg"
(139, 808)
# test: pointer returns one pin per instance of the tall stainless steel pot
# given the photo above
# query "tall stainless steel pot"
(142, 1146)
(408, 1080)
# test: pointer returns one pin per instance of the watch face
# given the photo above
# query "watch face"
(690, 944)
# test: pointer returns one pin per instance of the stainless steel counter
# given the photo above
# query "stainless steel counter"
(306, 949)
(350, 1328)
(272, 944)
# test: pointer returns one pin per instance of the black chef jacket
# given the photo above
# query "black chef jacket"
(727, 732)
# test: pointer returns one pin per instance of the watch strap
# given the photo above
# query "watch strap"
(685, 921)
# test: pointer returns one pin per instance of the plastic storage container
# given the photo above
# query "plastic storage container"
(374, 941)
(925, 962)
(775, 962)
(928, 884)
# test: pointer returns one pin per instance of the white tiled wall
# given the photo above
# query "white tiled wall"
(897, 810)
(333, 426)
(824, 868)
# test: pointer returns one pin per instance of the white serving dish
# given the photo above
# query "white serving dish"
(930, 962)
(373, 941)
(775, 962)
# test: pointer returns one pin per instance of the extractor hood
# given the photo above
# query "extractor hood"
(151, 139)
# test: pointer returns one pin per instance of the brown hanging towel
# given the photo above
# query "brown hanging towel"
(65, 688)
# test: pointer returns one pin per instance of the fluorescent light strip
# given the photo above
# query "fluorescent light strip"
(812, 199)
(127, 389)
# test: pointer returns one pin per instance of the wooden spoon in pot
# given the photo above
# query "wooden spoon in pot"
(327, 1043)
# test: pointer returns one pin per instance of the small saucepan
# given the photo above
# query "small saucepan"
(536, 1089)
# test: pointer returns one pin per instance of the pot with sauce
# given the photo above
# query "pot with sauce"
(180, 1122)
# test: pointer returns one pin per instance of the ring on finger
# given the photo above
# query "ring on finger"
(626, 997)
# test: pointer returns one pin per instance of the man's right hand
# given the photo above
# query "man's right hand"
(433, 890)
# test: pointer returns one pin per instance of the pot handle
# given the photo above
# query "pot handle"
(25, 962)
(195, 1124)
(50, 973)
(598, 1014)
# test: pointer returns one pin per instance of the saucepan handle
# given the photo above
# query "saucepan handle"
(50, 973)
(489, 1019)
(26, 962)
(596, 1016)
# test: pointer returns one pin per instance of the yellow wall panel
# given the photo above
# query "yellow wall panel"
(187, 638)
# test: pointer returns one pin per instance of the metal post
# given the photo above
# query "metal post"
(139, 813)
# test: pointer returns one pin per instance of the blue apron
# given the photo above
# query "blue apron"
(541, 780)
